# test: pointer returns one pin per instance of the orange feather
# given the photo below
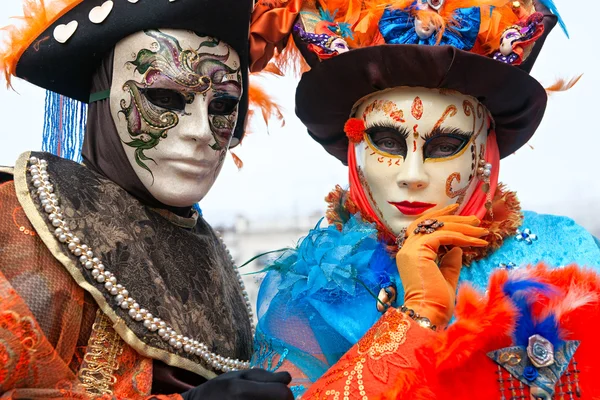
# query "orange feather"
(289, 61)
(38, 15)
(562, 85)
(238, 161)
(260, 99)
(492, 27)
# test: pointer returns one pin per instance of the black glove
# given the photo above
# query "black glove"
(253, 384)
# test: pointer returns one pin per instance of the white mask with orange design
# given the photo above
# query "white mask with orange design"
(420, 152)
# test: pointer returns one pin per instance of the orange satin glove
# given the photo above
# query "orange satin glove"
(429, 289)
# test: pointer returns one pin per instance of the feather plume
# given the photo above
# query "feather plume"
(444, 18)
(549, 4)
(38, 15)
(238, 161)
(524, 292)
(337, 214)
(562, 85)
(450, 6)
(513, 286)
(289, 61)
(261, 100)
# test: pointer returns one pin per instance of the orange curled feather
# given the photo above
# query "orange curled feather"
(38, 15)
(260, 99)
(562, 85)
(237, 160)
(289, 61)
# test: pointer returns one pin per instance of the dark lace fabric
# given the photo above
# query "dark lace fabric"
(183, 276)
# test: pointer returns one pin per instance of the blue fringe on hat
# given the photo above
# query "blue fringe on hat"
(64, 126)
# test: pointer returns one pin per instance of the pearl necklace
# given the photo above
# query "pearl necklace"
(87, 258)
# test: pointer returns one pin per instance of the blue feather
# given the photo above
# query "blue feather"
(548, 328)
(521, 292)
(525, 324)
(511, 287)
(552, 7)
(326, 15)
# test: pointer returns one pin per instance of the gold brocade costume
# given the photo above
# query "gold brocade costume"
(49, 303)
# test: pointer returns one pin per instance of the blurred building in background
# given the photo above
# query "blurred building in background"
(250, 238)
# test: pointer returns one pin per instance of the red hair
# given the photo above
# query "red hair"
(475, 205)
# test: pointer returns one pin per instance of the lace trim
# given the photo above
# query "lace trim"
(101, 358)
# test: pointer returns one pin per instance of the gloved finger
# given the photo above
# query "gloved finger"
(461, 219)
(448, 238)
(261, 375)
(252, 390)
(432, 215)
(451, 265)
(464, 229)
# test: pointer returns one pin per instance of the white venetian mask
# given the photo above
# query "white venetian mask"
(421, 151)
(174, 99)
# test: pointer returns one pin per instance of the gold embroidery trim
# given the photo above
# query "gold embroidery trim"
(101, 358)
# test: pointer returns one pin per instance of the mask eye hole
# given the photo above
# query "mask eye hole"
(388, 140)
(443, 146)
(223, 105)
(165, 98)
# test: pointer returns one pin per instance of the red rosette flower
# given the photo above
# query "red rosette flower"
(355, 130)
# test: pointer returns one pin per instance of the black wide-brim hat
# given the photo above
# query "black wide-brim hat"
(327, 93)
(67, 68)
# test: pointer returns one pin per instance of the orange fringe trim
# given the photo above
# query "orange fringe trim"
(507, 218)
(38, 15)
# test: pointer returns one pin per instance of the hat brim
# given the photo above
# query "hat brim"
(327, 93)
(68, 68)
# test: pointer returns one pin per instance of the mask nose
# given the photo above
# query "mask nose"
(194, 125)
(413, 176)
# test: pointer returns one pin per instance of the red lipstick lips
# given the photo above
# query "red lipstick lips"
(412, 207)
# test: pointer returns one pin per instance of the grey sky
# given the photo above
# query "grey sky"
(287, 174)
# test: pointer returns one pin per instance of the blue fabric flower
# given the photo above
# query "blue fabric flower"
(530, 373)
(398, 27)
(329, 263)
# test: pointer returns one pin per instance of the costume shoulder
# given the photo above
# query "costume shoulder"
(556, 241)
(37, 279)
